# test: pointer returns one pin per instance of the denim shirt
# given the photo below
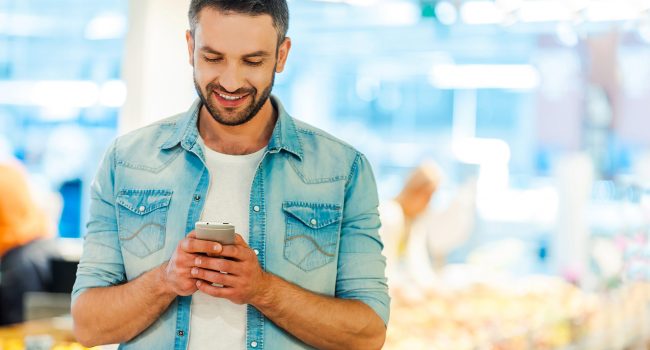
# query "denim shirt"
(313, 220)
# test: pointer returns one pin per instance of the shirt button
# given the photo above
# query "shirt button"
(313, 222)
(197, 197)
(141, 209)
(181, 333)
(254, 344)
(257, 252)
(256, 208)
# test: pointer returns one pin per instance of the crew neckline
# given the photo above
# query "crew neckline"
(239, 158)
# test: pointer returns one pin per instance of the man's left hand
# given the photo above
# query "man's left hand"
(236, 269)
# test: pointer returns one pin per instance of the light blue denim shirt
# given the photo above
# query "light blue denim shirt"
(313, 220)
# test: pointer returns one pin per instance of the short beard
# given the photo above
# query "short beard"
(246, 115)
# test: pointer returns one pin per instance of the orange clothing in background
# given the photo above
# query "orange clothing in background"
(21, 219)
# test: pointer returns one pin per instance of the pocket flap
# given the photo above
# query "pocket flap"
(143, 202)
(313, 215)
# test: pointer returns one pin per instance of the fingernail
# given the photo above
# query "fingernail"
(198, 283)
(197, 261)
(195, 270)
(217, 247)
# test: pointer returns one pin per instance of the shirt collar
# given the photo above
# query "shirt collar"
(284, 137)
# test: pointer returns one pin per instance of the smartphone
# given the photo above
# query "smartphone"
(223, 233)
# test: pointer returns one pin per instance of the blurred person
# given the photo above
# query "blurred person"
(25, 247)
(416, 237)
(398, 214)
(307, 269)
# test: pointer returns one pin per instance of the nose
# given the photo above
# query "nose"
(231, 79)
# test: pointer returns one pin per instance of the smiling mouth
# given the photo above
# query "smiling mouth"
(229, 97)
(230, 101)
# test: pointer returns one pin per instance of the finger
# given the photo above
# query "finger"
(182, 266)
(182, 261)
(235, 251)
(214, 277)
(193, 245)
(217, 292)
(218, 264)
(192, 234)
(239, 240)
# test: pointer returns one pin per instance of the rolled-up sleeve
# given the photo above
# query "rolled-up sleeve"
(101, 263)
(361, 266)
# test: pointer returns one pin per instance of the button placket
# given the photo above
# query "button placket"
(255, 319)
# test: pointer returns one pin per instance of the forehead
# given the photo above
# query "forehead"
(235, 33)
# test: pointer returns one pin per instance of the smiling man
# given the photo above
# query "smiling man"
(306, 270)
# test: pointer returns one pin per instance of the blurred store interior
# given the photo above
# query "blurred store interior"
(532, 115)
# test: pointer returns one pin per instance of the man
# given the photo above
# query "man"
(306, 271)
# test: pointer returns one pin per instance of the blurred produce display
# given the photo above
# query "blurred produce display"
(50, 334)
(537, 313)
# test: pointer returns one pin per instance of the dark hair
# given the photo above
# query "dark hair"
(277, 9)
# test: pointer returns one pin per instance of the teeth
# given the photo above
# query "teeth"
(230, 98)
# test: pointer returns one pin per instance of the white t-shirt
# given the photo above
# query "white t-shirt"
(218, 323)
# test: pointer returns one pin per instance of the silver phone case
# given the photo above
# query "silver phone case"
(223, 233)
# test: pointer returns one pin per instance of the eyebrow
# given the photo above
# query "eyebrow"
(259, 53)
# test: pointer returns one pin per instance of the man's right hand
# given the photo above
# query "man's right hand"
(177, 275)
(95, 324)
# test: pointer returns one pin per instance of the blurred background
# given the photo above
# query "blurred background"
(529, 120)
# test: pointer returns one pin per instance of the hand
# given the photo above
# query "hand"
(237, 270)
(177, 271)
(418, 189)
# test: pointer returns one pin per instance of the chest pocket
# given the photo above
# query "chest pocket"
(142, 216)
(312, 233)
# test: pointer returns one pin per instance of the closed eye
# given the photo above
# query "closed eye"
(254, 63)
(210, 59)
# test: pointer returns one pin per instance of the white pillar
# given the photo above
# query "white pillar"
(156, 69)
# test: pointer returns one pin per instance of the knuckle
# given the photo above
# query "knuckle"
(221, 278)
(226, 250)
(217, 277)
(217, 266)
(185, 244)
(180, 262)
(190, 259)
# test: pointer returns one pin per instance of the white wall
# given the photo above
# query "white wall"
(156, 69)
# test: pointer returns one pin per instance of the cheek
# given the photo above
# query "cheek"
(204, 72)
(261, 79)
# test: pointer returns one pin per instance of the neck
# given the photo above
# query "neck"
(241, 139)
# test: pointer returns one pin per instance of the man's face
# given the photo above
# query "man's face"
(235, 58)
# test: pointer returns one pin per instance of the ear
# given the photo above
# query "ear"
(190, 46)
(283, 53)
